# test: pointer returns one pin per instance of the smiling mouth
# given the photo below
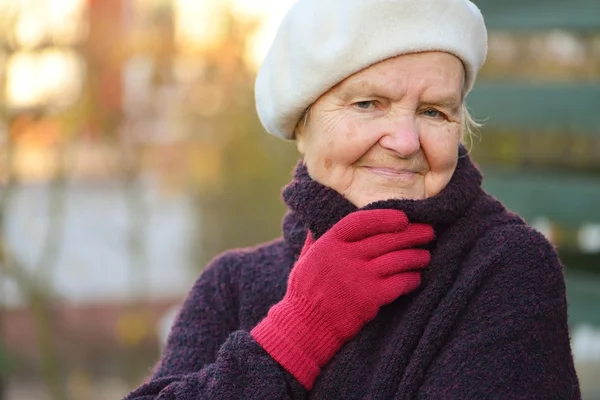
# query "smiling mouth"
(392, 173)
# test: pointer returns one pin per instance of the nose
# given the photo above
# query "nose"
(401, 136)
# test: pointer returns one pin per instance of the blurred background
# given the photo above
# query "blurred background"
(131, 154)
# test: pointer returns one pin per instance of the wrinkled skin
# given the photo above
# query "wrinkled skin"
(390, 131)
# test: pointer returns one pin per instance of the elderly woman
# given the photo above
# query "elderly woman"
(397, 276)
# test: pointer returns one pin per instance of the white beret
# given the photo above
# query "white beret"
(322, 42)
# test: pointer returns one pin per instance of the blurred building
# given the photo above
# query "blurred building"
(537, 97)
(90, 223)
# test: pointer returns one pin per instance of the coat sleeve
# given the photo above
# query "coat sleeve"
(512, 340)
(206, 357)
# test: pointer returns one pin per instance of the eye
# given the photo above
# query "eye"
(364, 105)
(433, 113)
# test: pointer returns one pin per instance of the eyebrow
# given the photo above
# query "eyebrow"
(450, 102)
(348, 89)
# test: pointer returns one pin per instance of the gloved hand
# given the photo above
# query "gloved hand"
(338, 284)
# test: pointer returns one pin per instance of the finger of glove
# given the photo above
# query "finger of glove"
(398, 285)
(400, 261)
(379, 245)
(361, 224)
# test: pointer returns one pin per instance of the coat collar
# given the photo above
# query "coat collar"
(315, 207)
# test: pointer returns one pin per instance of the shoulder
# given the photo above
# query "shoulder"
(521, 263)
(232, 276)
(251, 258)
(231, 268)
(505, 238)
(242, 284)
(518, 243)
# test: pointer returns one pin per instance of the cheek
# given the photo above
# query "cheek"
(357, 139)
(321, 153)
(343, 144)
(328, 163)
(441, 149)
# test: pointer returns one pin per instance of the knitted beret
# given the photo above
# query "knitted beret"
(322, 42)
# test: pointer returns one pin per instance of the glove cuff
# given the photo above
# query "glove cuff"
(298, 338)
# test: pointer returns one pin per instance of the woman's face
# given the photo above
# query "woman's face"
(390, 131)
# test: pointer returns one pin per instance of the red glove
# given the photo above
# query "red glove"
(338, 284)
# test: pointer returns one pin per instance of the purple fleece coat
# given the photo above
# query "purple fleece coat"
(488, 322)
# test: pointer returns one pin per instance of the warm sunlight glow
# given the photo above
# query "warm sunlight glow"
(56, 20)
(22, 84)
(52, 77)
(30, 28)
(270, 12)
(199, 23)
(65, 20)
